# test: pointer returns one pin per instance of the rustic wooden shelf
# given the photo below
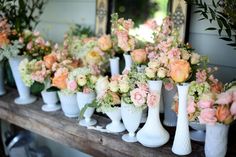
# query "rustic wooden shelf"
(64, 130)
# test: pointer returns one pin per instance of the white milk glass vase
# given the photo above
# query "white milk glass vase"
(153, 134)
(114, 66)
(131, 117)
(51, 101)
(24, 92)
(182, 143)
(128, 61)
(2, 86)
(82, 100)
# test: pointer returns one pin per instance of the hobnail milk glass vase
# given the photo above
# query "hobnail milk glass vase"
(131, 117)
(2, 88)
(69, 104)
(153, 134)
(51, 101)
(182, 143)
(82, 100)
(216, 140)
(114, 66)
(128, 61)
(24, 91)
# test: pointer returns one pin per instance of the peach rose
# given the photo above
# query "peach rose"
(59, 81)
(216, 87)
(153, 99)
(3, 39)
(223, 113)
(105, 43)
(179, 70)
(139, 56)
(138, 97)
(208, 116)
(93, 57)
(49, 60)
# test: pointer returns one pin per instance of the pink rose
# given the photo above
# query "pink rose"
(191, 106)
(29, 45)
(234, 96)
(208, 116)
(174, 53)
(169, 86)
(143, 86)
(36, 33)
(72, 85)
(233, 108)
(205, 103)
(138, 97)
(153, 99)
(139, 56)
(224, 98)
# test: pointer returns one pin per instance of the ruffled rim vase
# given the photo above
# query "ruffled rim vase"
(2, 86)
(51, 101)
(24, 92)
(114, 66)
(69, 104)
(182, 143)
(128, 62)
(131, 117)
(216, 140)
(153, 134)
(170, 117)
(82, 100)
(198, 134)
(116, 125)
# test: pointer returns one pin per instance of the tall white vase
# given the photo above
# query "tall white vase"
(115, 116)
(153, 134)
(2, 88)
(170, 117)
(131, 117)
(24, 91)
(51, 101)
(128, 61)
(69, 104)
(82, 100)
(182, 143)
(216, 140)
(114, 66)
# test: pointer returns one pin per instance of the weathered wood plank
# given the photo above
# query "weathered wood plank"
(66, 131)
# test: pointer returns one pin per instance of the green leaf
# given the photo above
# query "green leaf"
(37, 87)
(219, 31)
(82, 111)
(205, 15)
(52, 89)
(213, 3)
(226, 39)
(228, 31)
(210, 28)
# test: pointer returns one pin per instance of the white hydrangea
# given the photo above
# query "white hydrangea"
(24, 72)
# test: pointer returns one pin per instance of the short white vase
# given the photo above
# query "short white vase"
(170, 117)
(115, 115)
(198, 134)
(114, 66)
(82, 100)
(24, 91)
(51, 101)
(69, 104)
(128, 61)
(216, 140)
(153, 134)
(182, 143)
(2, 86)
(131, 117)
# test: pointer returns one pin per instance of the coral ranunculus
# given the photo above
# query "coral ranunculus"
(179, 70)
(60, 81)
(139, 56)
(49, 60)
(223, 113)
(105, 43)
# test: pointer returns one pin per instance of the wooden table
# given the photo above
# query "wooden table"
(64, 130)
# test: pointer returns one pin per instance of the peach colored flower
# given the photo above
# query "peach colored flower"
(115, 98)
(179, 70)
(138, 97)
(208, 116)
(205, 103)
(224, 98)
(153, 99)
(105, 43)
(216, 87)
(72, 85)
(139, 56)
(3, 39)
(49, 60)
(222, 113)
(60, 79)
(93, 57)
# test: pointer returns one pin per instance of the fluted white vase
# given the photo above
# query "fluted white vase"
(24, 92)
(131, 117)
(153, 134)
(128, 61)
(216, 140)
(69, 104)
(2, 86)
(114, 66)
(82, 100)
(182, 143)
(115, 116)
(170, 117)
(51, 101)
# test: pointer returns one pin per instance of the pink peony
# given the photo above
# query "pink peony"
(205, 103)
(191, 106)
(153, 99)
(233, 108)
(224, 98)
(208, 116)
(72, 85)
(138, 97)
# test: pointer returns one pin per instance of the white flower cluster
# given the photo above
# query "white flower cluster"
(24, 72)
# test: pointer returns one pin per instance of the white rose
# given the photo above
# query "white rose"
(195, 58)
(124, 87)
(154, 64)
(102, 84)
(114, 86)
(185, 55)
(81, 80)
(161, 73)
(150, 72)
